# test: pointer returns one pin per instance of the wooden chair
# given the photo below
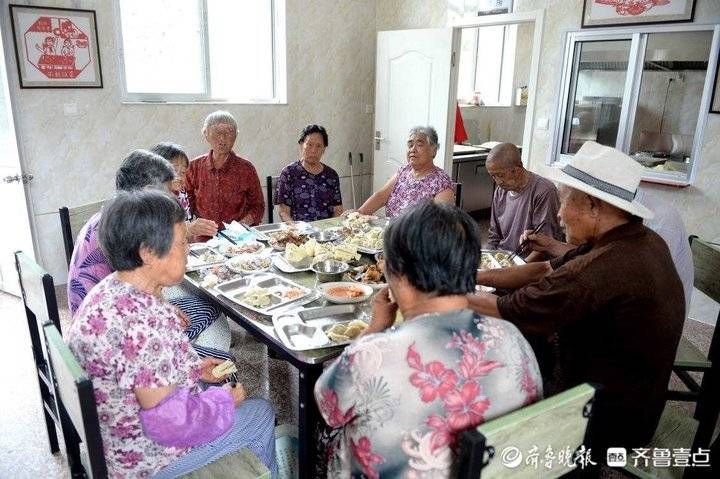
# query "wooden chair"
(74, 388)
(558, 422)
(270, 185)
(38, 294)
(706, 260)
(71, 222)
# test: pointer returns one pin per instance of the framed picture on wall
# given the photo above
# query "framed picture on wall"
(605, 13)
(494, 7)
(56, 47)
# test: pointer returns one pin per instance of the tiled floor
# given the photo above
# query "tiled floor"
(24, 451)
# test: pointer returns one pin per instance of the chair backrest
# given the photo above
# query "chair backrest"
(75, 391)
(71, 222)
(38, 294)
(559, 422)
(706, 261)
(458, 194)
(270, 185)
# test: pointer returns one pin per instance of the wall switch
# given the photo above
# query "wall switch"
(542, 124)
(70, 109)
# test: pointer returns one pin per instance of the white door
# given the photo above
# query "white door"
(412, 87)
(16, 224)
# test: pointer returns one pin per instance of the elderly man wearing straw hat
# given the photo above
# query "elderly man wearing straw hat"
(616, 301)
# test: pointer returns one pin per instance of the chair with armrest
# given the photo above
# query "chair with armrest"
(706, 261)
(71, 222)
(561, 422)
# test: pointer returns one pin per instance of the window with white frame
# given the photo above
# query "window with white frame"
(645, 91)
(204, 50)
(487, 60)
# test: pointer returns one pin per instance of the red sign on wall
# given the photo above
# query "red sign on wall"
(57, 47)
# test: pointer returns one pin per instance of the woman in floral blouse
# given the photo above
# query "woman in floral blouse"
(155, 419)
(398, 397)
(309, 190)
(419, 179)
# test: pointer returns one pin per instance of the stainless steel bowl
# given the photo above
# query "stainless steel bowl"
(325, 236)
(329, 270)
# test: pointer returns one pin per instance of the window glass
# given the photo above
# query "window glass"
(597, 90)
(671, 89)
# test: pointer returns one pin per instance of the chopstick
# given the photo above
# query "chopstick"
(521, 246)
(227, 237)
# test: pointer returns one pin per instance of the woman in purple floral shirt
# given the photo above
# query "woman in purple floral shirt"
(419, 179)
(398, 397)
(155, 419)
(308, 190)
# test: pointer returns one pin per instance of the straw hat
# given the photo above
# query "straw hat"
(604, 173)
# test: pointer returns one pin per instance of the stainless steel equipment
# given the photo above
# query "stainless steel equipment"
(469, 169)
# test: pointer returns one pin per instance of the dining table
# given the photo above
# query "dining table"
(308, 363)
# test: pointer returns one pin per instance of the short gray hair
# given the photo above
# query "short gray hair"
(428, 131)
(220, 117)
(136, 219)
(142, 168)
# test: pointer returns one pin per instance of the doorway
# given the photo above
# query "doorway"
(16, 221)
(495, 92)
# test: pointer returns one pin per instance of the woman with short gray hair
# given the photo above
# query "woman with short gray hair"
(155, 418)
(417, 180)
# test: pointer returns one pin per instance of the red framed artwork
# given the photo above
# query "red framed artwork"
(605, 13)
(56, 47)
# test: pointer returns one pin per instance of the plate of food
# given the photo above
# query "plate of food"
(369, 241)
(263, 293)
(249, 263)
(321, 327)
(201, 256)
(245, 247)
(263, 232)
(344, 292)
(494, 259)
(280, 239)
(357, 220)
(372, 275)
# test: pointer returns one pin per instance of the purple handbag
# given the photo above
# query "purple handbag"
(187, 419)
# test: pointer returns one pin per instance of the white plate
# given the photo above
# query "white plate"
(230, 250)
(325, 287)
(283, 265)
(233, 263)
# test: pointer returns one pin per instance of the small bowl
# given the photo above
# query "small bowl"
(364, 291)
(325, 236)
(329, 270)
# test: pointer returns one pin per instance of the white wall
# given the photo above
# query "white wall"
(331, 70)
